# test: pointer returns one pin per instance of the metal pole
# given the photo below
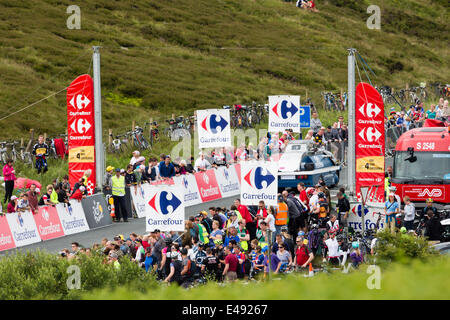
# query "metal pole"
(99, 151)
(269, 241)
(351, 121)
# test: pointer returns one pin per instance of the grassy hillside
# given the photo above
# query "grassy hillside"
(166, 56)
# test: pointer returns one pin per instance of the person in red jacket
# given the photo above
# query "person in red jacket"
(9, 176)
(78, 194)
(250, 225)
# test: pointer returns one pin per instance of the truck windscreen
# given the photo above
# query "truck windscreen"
(429, 166)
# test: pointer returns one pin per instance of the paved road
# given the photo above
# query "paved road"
(88, 238)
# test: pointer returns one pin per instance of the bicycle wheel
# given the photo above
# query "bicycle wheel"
(4, 157)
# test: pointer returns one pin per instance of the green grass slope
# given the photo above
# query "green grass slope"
(166, 56)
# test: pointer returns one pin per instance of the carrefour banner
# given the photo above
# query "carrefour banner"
(190, 188)
(213, 128)
(284, 113)
(259, 182)
(23, 228)
(138, 196)
(228, 181)
(72, 217)
(369, 132)
(165, 208)
(81, 129)
(48, 223)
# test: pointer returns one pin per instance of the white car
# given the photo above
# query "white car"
(303, 162)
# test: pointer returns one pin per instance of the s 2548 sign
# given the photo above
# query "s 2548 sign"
(425, 146)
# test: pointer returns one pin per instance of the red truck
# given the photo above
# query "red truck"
(421, 168)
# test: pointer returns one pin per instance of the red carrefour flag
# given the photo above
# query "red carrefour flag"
(370, 145)
(81, 129)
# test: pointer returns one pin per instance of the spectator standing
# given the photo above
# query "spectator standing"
(343, 208)
(10, 177)
(316, 124)
(410, 213)
(391, 208)
(294, 214)
(249, 223)
(231, 264)
(135, 157)
(166, 168)
(40, 151)
(118, 193)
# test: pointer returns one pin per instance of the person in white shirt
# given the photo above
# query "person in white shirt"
(135, 157)
(201, 164)
(410, 213)
(270, 220)
(333, 249)
(314, 199)
(333, 224)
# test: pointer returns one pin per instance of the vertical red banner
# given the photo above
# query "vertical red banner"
(370, 145)
(81, 128)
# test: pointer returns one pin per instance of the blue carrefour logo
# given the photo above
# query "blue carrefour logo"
(259, 178)
(285, 109)
(214, 123)
(164, 202)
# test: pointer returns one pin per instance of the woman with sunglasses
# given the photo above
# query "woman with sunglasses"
(285, 259)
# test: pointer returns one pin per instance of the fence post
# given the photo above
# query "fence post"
(150, 130)
(21, 142)
(31, 140)
(45, 137)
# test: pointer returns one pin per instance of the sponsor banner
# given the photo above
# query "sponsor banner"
(422, 192)
(190, 188)
(370, 216)
(72, 217)
(207, 185)
(6, 237)
(370, 140)
(165, 208)
(214, 128)
(80, 127)
(228, 181)
(23, 228)
(284, 113)
(305, 116)
(48, 223)
(95, 211)
(138, 196)
(259, 182)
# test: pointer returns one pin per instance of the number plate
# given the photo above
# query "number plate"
(287, 177)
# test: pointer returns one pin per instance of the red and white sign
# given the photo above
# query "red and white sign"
(81, 128)
(370, 145)
(6, 238)
(422, 192)
(207, 185)
(48, 223)
(23, 228)
(237, 167)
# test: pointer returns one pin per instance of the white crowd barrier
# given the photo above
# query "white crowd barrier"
(50, 222)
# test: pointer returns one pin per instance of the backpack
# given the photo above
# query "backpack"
(297, 203)
(314, 240)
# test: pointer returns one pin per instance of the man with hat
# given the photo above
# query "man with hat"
(303, 257)
(118, 193)
(429, 206)
(205, 220)
(107, 183)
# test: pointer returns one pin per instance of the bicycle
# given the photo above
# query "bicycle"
(138, 137)
(26, 156)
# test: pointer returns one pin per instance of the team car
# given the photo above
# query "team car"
(304, 162)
